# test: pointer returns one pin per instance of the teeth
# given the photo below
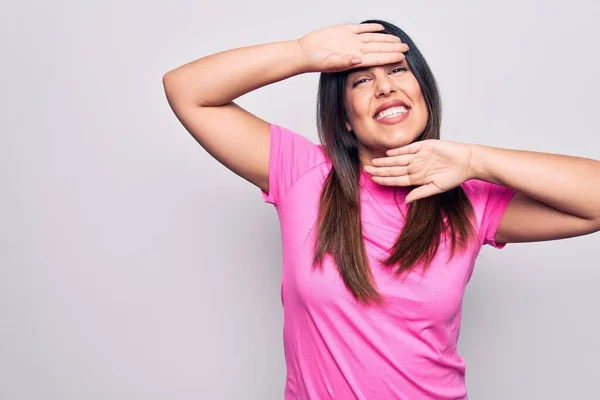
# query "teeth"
(391, 112)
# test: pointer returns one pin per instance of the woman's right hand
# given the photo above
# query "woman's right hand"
(334, 48)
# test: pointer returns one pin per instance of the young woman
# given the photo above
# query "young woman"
(382, 222)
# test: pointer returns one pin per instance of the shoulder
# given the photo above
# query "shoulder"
(489, 202)
(291, 156)
(482, 192)
(297, 146)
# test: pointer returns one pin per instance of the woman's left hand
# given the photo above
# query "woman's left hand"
(436, 166)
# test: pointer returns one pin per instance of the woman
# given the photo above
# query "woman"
(382, 223)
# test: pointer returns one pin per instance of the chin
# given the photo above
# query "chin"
(399, 140)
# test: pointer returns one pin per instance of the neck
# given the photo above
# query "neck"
(366, 155)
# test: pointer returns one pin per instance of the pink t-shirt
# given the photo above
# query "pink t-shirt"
(336, 348)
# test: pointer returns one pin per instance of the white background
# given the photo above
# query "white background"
(134, 266)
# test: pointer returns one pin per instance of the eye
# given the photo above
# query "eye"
(358, 82)
(400, 69)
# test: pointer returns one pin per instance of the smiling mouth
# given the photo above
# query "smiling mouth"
(391, 113)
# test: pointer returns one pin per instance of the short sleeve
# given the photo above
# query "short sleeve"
(491, 199)
(290, 156)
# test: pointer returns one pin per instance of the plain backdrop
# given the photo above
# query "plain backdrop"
(135, 266)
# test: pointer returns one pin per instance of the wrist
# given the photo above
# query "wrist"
(299, 56)
(476, 168)
(305, 57)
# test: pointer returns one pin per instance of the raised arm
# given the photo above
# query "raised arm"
(201, 92)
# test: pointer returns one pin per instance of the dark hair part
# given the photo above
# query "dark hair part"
(446, 216)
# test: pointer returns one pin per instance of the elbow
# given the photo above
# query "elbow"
(176, 90)
(593, 224)
(597, 224)
(167, 80)
(172, 92)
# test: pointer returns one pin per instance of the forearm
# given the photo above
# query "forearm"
(220, 78)
(569, 184)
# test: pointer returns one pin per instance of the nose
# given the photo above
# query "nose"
(385, 86)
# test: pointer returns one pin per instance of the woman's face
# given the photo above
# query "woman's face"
(369, 89)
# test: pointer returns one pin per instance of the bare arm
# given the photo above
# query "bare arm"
(558, 196)
(201, 94)
(219, 78)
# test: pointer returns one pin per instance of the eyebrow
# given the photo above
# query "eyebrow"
(363, 69)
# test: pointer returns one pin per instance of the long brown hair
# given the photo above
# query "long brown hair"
(428, 221)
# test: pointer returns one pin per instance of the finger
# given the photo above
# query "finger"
(421, 192)
(387, 171)
(393, 180)
(378, 37)
(400, 160)
(362, 28)
(372, 59)
(383, 47)
(408, 149)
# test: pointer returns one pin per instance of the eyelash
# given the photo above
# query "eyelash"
(355, 84)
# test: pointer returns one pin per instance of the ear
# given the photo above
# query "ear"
(348, 127)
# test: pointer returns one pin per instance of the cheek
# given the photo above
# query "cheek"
(350, 107)
(420, 105)
(357, 107)
(421, 117)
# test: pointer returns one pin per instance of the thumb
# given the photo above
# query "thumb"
(422, 192)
